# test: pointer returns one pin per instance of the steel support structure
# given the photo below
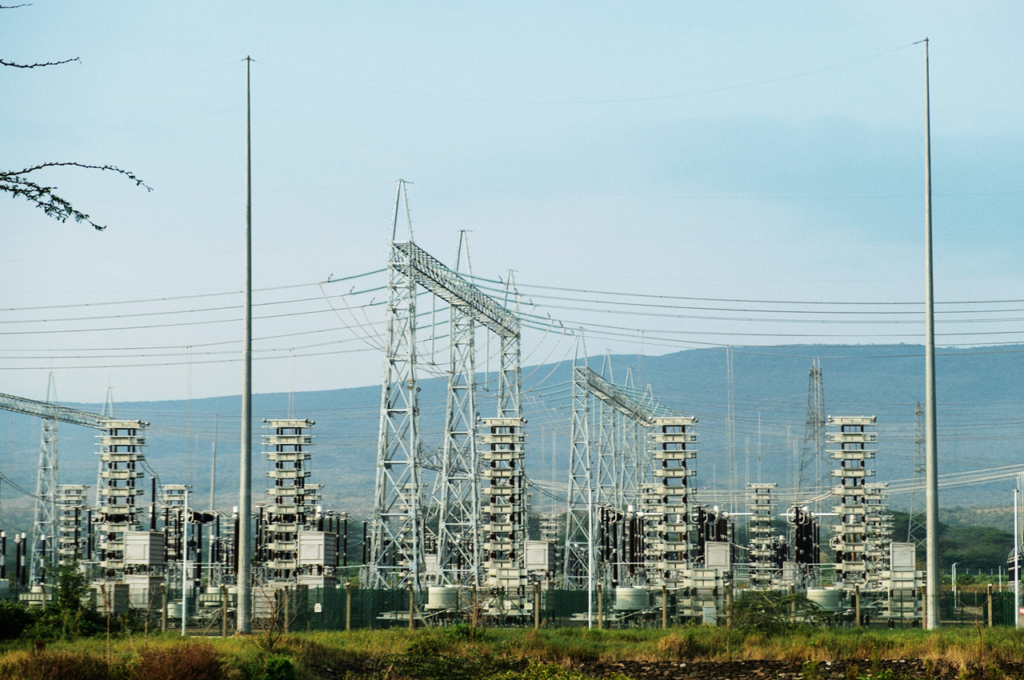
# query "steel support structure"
(814, 475)
(458, 550)
(44, 525)
(396, 556)
(915, 522)
(579, 545)
(397, 551)
(601, 474)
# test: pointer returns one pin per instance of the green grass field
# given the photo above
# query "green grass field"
(458, 652)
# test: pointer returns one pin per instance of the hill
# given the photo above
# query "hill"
(979, 427)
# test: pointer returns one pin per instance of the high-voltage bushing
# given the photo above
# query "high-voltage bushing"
(672, 443)
(502, 445)
(397, 528)
(121, 445)
(289, 543)
(762, 549)
(806, 536)
(877, 530)
(72, 525)
(850, 446)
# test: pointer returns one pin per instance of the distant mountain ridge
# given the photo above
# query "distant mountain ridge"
(980, 396)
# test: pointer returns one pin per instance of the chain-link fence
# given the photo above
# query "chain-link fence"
(298, 608)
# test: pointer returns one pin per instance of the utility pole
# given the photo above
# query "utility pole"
(245, 481)
(931, 431)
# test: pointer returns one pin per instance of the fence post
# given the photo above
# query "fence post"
(348, 606)
(856, 603)
(664, 607)
(287, 608)
(728, 606)
(924, 607)
(163, 612)
(223, 611)
(600, 608)
(536, 605)
(989, 605)
(792, 605)
(473, 612)
(412, 609)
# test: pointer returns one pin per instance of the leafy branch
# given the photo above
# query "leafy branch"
(18, 185)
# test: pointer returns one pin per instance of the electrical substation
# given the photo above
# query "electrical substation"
(637, 536)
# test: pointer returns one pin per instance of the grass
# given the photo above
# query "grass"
(455, 653)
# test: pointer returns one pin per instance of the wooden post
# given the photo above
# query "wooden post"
(412, 609)
(856, 603)
(989, 605)
(163, 613)
(536, 605)
(600, 608)
(664, 607)
(728, 606)
(473, 612)
(348, 606)
(924, 607)
(287, 608)
(223, 611)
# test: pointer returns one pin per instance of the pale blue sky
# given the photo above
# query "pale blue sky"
(674, 148)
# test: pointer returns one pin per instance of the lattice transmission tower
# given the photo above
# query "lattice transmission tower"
(915, 523)
(814, 474)
(397, 550)
(44, 525)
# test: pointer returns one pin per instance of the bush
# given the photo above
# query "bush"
(182, 661)
(279, 668)
(55, 666)
(14, 619)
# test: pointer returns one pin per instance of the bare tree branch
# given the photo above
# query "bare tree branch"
(14, 182)
(49, 63)
(44, 198)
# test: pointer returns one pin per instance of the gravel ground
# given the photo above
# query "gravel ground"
(736, 670)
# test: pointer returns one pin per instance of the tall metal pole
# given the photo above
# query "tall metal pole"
(1016, 560)
(245, 481)
(184, 566)
(931, 431)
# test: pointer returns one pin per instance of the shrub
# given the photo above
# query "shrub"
(14, 619)
(182, 661)
(55, 666)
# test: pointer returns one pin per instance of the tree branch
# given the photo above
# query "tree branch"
(49, 63)
(44, 198)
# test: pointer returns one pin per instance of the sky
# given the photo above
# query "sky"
(657, 151)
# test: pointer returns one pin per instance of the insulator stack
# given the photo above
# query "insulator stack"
(762, 548)
(292, 501)
(503, 504)
(71, 528)
(121, 445)
(672, 442)
(851, 446)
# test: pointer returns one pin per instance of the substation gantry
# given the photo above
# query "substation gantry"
(120, 444)
(398, 527)
(608, 469)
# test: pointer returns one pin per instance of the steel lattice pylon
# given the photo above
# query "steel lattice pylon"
(458, 556)
(397, 550)
(915, 523)
(814, 475)
(579, 523)
(605, 472)
(396, 545)
(44, 525)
